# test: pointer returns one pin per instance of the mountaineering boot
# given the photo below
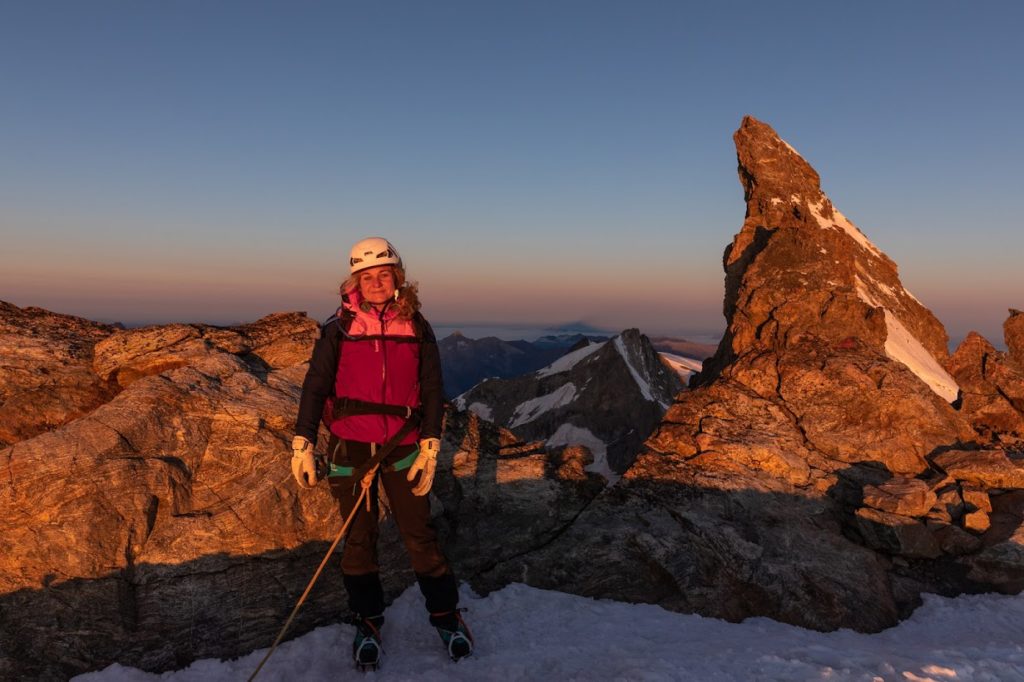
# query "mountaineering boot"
(455, 635)
(367, 647)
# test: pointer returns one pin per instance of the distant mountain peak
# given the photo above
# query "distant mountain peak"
(606, 395)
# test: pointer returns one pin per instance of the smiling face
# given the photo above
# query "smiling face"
(377, 284)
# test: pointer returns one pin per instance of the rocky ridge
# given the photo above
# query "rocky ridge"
(132, 531)
(46, 377)
(992, 384)
(819, 472)
(465, 362)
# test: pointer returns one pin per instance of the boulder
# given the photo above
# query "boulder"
(161, 527)
(1013, 333)
(129, 355)
(984, 468)
(993, 389)
(903, 496)
(949, 505)
(975, 498)
(955, 541)
(977, 521)
(1000, 565)
(897, 534)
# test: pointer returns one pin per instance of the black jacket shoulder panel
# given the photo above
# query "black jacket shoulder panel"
(431, 384)
(319, 382)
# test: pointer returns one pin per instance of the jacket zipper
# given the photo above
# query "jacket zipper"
(383, 370)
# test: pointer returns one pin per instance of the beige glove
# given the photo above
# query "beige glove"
(425, 464)
(303, 466)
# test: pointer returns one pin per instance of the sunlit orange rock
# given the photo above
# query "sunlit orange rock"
(46, 378)
(157, 522)
(993, 387)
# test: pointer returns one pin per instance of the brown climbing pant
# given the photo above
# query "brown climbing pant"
(412, 513)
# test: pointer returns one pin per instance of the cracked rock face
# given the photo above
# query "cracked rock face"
(504, 498)
(157, 522)
(993, 384)
(797, 479)
(46, 378)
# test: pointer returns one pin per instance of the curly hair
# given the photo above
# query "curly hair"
(408, 301)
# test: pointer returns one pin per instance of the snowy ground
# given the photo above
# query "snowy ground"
(528, 634)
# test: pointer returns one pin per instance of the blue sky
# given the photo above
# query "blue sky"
(535, 162)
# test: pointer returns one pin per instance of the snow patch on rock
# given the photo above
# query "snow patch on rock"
(839, 221)
(569, 360)
(570, 434)
(641, 382)
(481, 410)
(530, 409)
(902, 346)
(864, 294)
(683, 366)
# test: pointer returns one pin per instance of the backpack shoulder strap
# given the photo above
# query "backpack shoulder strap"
(344, 321)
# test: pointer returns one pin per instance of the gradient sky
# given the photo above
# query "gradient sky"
(534, 162)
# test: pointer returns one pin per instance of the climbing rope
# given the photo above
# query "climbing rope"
(365, 483)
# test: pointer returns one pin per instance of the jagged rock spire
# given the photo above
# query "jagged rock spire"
(799, 268)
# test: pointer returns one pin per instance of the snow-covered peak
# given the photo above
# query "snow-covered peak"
(533, 408)
(638, 369)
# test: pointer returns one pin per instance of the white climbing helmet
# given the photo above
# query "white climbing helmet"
(372, 251)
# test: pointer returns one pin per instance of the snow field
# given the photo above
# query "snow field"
(841, 222)
(569, 360)
(481, 410)
(902, 346)
(641, 382)
(680, 364)
(570, 434)
(530, 409)
(523, 633)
